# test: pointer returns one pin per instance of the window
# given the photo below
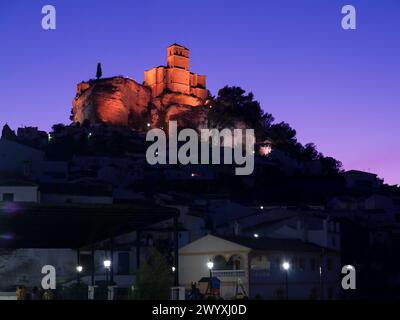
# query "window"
(123, 263)
(235, 262)
(8, 197)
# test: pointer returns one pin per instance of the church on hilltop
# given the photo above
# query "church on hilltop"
(176, 76)
(168, 93)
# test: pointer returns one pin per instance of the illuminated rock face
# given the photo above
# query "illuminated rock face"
(188, 111)
(122, 101)
(116, 101)
(168, 93)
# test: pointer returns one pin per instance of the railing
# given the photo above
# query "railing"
(8, 296)
(229, 273)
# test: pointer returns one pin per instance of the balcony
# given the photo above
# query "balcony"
(229, 273)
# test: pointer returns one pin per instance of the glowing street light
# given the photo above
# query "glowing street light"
(210, 265)
(107, 265)
(256, 235)
(173, 269)
(79, 269)
(286, 267)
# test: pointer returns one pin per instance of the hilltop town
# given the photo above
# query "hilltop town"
(84, 195)
(169, 92)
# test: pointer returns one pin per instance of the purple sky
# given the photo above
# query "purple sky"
(339, 89)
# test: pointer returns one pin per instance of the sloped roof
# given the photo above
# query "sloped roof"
(16, 182)
(213, 244)
(178, 45)
(272, 244)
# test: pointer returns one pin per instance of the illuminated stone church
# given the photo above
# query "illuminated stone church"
(176, 76)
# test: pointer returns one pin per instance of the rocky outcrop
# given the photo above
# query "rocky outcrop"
(122, 101)
(114, 100)
(188, 111)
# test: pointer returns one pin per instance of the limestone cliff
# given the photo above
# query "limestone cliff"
(114, 100)
(122, 101)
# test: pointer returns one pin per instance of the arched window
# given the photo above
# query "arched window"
(219, 263)
(235, 262)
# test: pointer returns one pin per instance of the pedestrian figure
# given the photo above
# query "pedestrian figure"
(35, 295)
(48, 295)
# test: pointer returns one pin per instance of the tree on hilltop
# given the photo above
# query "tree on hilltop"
(233, 105)
(99, 72)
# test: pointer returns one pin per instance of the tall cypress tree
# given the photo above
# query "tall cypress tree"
(99, 72)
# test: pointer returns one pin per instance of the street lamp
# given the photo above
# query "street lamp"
(210, 265)
(286, 267)
(107, 266)
(173, 269)
(79, 269)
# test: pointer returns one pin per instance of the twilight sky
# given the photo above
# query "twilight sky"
(339, 89)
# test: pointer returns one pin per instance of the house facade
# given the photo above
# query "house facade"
(254, 267)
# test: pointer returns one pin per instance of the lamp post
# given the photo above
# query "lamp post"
(210, 265)
(286, 267)
(107, 266)
(321, 275)
(79, 270)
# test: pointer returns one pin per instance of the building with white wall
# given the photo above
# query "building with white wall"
(255, 264)
(13, 190)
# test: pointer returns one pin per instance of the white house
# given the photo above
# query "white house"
(254, 265)
(13, 190)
